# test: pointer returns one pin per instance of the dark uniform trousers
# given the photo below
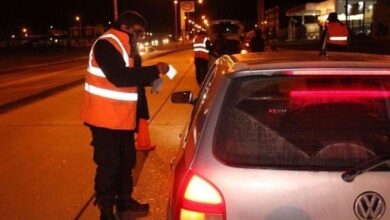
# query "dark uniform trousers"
(115, 157)
(201, 66)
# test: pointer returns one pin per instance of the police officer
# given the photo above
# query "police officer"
(201, 46)
(335, 34)
(109, 109)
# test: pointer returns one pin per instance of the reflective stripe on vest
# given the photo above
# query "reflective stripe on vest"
(341, 38)
(123, 96)
(97, 71)
(201, 50)
(200, 45)
(337, 34)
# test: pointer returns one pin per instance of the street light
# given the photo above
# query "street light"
(200, 1)
(175, 2)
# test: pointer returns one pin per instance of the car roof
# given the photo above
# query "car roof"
(279, 60)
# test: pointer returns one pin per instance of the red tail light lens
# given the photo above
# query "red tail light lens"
(199, 200)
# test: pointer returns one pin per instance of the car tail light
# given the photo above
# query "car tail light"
(199, 199)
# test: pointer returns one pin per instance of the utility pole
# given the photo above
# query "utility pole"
(175, 3)
(346, 13)
(115, 10)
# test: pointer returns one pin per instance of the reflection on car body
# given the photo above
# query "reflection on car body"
(286, 136)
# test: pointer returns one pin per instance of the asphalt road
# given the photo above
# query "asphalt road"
(46, 162)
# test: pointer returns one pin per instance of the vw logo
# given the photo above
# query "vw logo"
(370, 206)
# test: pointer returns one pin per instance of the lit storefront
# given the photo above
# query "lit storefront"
(359, 16)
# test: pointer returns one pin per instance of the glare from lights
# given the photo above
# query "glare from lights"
(141, 46)
(77, 18)
(24, 30)
(200, 1)
(203, 17)
(13, 36)
(56, 41)
(165, 41)
(175, 2)
(109, 23)
(25, 35)
(155, 43)
(51, 39)
(51, 27)
(370, 7)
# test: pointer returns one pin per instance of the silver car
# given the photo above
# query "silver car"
(285, 135)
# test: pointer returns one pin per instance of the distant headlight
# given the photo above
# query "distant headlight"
(243, 51)
(141, 46)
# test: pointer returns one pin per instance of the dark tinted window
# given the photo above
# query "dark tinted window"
(324, 122)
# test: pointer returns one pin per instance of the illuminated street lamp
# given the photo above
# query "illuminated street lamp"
(203, 17)
(77, 18)
(200, 1)
(24, 30)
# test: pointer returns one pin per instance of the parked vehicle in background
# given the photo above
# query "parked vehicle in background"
(225, 37)
(286, 135)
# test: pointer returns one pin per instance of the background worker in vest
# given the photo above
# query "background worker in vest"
(335, 34)
(109, 109)
(201, 53)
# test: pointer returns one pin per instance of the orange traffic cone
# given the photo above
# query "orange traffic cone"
(143, 140)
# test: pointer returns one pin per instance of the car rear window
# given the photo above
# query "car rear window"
(304, 122)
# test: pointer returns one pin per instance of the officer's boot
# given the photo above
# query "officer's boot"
(131, 205)
(107, 213)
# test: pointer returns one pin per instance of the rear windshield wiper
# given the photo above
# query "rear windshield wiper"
(349, 175)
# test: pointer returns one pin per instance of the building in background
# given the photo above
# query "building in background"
(357, 14)
(381, 20)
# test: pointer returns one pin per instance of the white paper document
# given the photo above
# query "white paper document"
(171, 72)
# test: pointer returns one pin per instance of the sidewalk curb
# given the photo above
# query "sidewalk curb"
(48, 92)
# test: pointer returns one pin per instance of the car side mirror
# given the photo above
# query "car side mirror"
(182, 97)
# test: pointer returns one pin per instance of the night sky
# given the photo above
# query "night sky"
(38, 15)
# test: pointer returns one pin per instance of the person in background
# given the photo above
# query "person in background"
(257, 42)
(201, 46)
(109, 109)
(335, 34)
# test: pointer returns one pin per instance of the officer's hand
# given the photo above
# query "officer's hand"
(162, 67)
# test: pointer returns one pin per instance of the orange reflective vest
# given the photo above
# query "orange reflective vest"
(200, 47)
(337, 34)
(104, 104)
